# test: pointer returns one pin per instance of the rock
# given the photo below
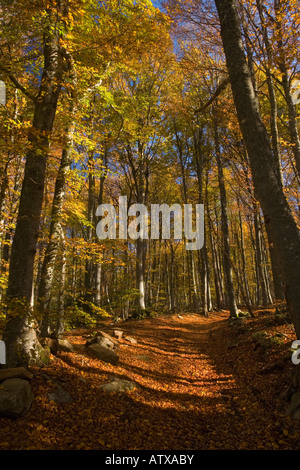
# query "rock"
(65, 345)
(118, 385)
(118, 333)
(16, 397)
(102, 334)
(56, 345)
(102, 340)
(60, 395)
(15, 373)
(51, 344)
(106, 335)
(103, 353)
(130, 339)
(80, 348)
(243, 314)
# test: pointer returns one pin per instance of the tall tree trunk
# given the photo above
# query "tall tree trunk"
(20, 337)
(200, 162)
(263, 297)
(192, 293)
(277, 213)
(172, 279)
(272, 95)
(243, 259)
(49, 262)
(141, 244)
(98, 267)
(140, 271)
(59, 326)
(225, 229)
(293, 125)
(89, 264)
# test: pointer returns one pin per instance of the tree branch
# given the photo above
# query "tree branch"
(220, 88)
(16, 82)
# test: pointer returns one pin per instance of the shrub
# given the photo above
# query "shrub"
(78, 316)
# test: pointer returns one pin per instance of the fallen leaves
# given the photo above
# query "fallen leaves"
(195, 391)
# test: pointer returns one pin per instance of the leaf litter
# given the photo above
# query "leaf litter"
(203, 383)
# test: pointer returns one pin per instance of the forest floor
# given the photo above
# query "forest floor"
(203, 383)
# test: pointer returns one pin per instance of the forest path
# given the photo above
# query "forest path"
(200, 386)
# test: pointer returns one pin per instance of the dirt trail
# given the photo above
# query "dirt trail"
(196, 392)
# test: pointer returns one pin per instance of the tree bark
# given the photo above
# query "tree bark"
(272, 95)
(225, 229)
(48, 267)
(277, 213)
(20, 337)
(283, 67)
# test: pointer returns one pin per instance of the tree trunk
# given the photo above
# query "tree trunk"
(141, 244)
(293, 126)
(272, 95)
(263, 297)
(140, 272)
(20, 337)
(59, 327)
(225, 230)
(89, 264)
(200, 162)
(48, 267)
(244, 266)
(277, 213)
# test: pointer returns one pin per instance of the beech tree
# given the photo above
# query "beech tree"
(20, 336)
(277, 213)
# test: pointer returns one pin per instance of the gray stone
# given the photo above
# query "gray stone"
(16, 397)
(102, 340)
(101, 334)
(103, 353)
(106, 342)
(130, 339)
(65, 345)
(60, 395)
(243, 314)
(118, 333)
(56, 345)
(118, 385)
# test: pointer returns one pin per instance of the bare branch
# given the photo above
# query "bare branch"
(220, 88)
(17, 84)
